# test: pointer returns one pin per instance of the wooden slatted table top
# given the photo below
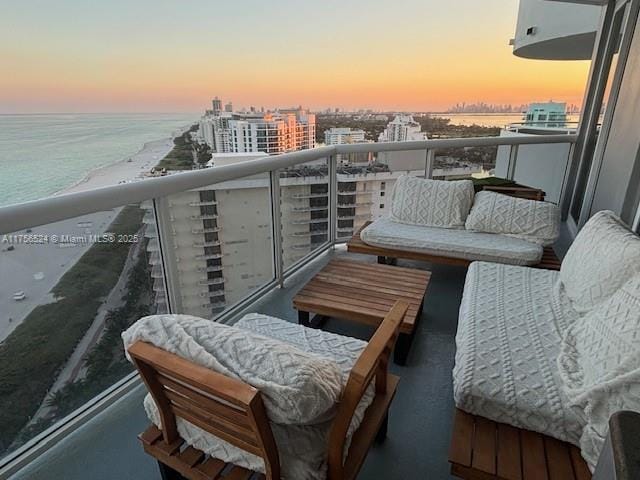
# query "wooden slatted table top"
(364, 292)
(484, 449)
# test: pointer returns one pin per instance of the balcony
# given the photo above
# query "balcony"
(309, 221)
(107, 425)
(214, 268)
(309, 209)
(205, 230)
(202, 216)
(211, 281)
(212, 243)
(209, 256)
(203, 203)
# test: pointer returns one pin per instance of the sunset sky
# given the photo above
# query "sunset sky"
(143, 55)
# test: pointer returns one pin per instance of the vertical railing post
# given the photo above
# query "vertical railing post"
(163, 229)
(513, 159)
(333, 198)
(276, 225)
(565, 198)
(429, 162)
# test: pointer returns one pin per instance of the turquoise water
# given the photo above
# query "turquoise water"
(42, 154)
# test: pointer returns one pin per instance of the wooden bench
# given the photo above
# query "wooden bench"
(549, 259)
(233, 411)
(364, 292)
(482, 449)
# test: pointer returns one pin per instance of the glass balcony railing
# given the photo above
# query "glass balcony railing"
(60, 343)
(163, 251)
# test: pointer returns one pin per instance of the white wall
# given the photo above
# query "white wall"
(562, 31)
(538, 166)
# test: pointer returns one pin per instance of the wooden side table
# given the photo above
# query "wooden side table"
(364, 292)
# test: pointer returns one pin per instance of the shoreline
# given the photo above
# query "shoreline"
(37, 268)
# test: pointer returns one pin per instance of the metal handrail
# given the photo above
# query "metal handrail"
(52, 209)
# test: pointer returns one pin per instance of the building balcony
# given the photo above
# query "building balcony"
(309, 209)
(211, 281)
(212, 243)
(153, 246)
(308, 221)
(308, 234)
(214, 268)
(203, 203)
(209, 256)
(300, 196)
(205, 230)
(203, 216)
(157, 271)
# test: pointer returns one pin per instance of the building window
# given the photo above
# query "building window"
(382, 185)
(382, 194)
(382, 205)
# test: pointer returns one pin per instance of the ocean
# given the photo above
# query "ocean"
(489, 119)
(43, 154)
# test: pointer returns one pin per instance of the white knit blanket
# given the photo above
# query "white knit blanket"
(300, 388)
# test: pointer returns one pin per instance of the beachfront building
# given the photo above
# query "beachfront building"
(286, 130)
(548, 114)
(216, 105)
(346, 135)
(220, 236)
(402, 128)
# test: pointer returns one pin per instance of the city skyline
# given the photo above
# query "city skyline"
(405, 56)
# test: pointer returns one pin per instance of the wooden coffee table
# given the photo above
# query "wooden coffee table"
(364, 292)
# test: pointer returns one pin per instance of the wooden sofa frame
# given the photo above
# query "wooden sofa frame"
(233, 411)
(389, 255)
(482, 449)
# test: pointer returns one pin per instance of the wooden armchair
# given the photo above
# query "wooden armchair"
(233, 411)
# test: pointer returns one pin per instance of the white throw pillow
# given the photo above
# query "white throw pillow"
(297, 387)
(535, 221)
(431, 203)
(603, 256)
(599, 363)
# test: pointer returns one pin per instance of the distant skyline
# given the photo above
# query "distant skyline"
(172, 56)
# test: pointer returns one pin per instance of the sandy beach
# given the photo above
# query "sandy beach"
(36, 268)
(127, 170)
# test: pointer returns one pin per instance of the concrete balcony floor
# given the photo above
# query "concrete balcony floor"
(420, 419)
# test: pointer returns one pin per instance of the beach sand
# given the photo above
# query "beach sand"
(36, 268)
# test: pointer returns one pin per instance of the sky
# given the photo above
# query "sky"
(175, 55)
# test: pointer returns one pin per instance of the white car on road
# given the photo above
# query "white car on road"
(19, 296)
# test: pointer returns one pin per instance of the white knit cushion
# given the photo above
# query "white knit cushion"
(531, 220)
(434, 203)
(511, 324)
(603, 256)
(600, 363)
(451, 242)
(297, 387)
(302, 449)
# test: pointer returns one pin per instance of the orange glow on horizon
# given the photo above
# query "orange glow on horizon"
(427, 63)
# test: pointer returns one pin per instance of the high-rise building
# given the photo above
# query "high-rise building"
(228, 107)
(221, 235)
(345, 135)
(403, 128)
(216, 104)
(271, 132)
